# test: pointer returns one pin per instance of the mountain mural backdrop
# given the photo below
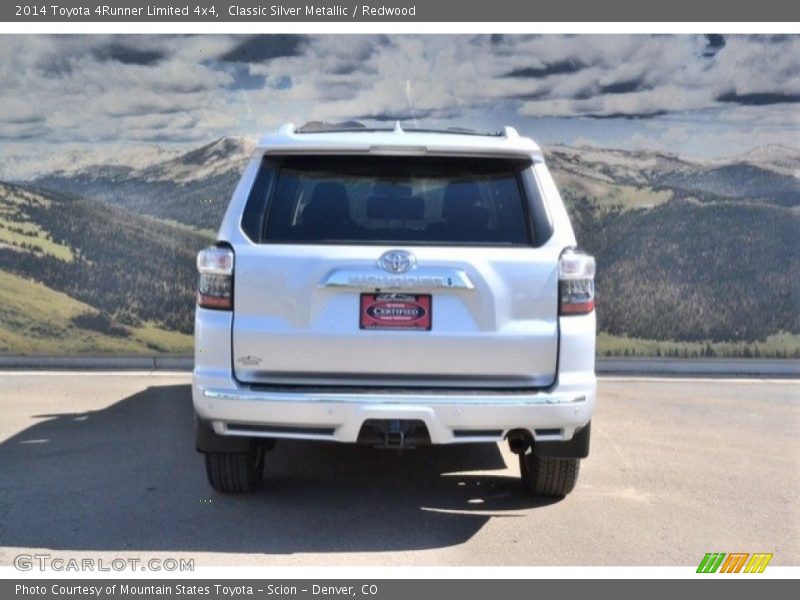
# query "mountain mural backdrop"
(695, 257)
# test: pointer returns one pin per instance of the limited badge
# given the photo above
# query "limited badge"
(249, 361)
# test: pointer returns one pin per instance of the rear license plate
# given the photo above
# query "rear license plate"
(410, 312)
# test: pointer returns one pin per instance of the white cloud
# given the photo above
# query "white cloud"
(103, 89)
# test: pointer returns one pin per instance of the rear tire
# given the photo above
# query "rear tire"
(235, 472)
(547, 476)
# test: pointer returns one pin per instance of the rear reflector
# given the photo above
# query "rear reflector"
(477, 433)
(575, 283)
(279, 430)
(215, 280)
(576, 308)
(215, 261)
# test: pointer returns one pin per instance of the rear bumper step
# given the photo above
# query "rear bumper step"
(447, 418)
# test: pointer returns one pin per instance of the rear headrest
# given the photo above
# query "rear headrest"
(392, 190)
(411, 208)
(459, 198)
(328, 203)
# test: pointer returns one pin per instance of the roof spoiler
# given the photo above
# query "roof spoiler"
(290, 129)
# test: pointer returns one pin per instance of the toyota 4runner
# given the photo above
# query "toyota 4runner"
(395, 288)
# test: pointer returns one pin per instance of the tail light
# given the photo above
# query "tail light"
(575, 283)
(215, 281)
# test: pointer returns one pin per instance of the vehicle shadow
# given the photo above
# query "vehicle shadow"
(127, 478)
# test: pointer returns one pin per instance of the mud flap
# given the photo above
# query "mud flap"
(577, 447)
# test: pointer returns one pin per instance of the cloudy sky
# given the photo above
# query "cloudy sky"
(699, 95)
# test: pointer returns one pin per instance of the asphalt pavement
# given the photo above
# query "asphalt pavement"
(102, 465)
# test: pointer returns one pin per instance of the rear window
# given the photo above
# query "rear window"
(381, 200)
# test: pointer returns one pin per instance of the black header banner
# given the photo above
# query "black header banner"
(470, 11)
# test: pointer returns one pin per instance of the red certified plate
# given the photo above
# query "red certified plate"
(395, 311)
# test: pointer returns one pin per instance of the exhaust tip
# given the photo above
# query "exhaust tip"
(519, 440)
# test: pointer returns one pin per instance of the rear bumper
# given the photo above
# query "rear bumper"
(450, 417)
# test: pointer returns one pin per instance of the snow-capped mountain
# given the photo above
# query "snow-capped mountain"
(212, 160)
(615, 165)
(764, 173)
(781, 159)
(74, 161)
(193, 187)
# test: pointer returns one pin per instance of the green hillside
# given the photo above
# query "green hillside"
(37, 320)
(19, 231)
(692, 271)
(778, 345)
(136, 270)
(609, 196)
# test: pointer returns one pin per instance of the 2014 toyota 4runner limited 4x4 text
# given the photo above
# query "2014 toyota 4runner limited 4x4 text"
(395, 288)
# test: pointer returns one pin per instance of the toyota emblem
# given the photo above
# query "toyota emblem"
(397, 261)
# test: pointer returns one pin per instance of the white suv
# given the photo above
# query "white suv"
(395, 288)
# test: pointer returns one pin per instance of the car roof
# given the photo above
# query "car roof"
(398, 141)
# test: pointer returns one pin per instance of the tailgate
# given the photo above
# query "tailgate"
(408, 271)
(299, 317)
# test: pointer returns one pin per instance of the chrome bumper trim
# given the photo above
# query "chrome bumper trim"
(388, 399)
